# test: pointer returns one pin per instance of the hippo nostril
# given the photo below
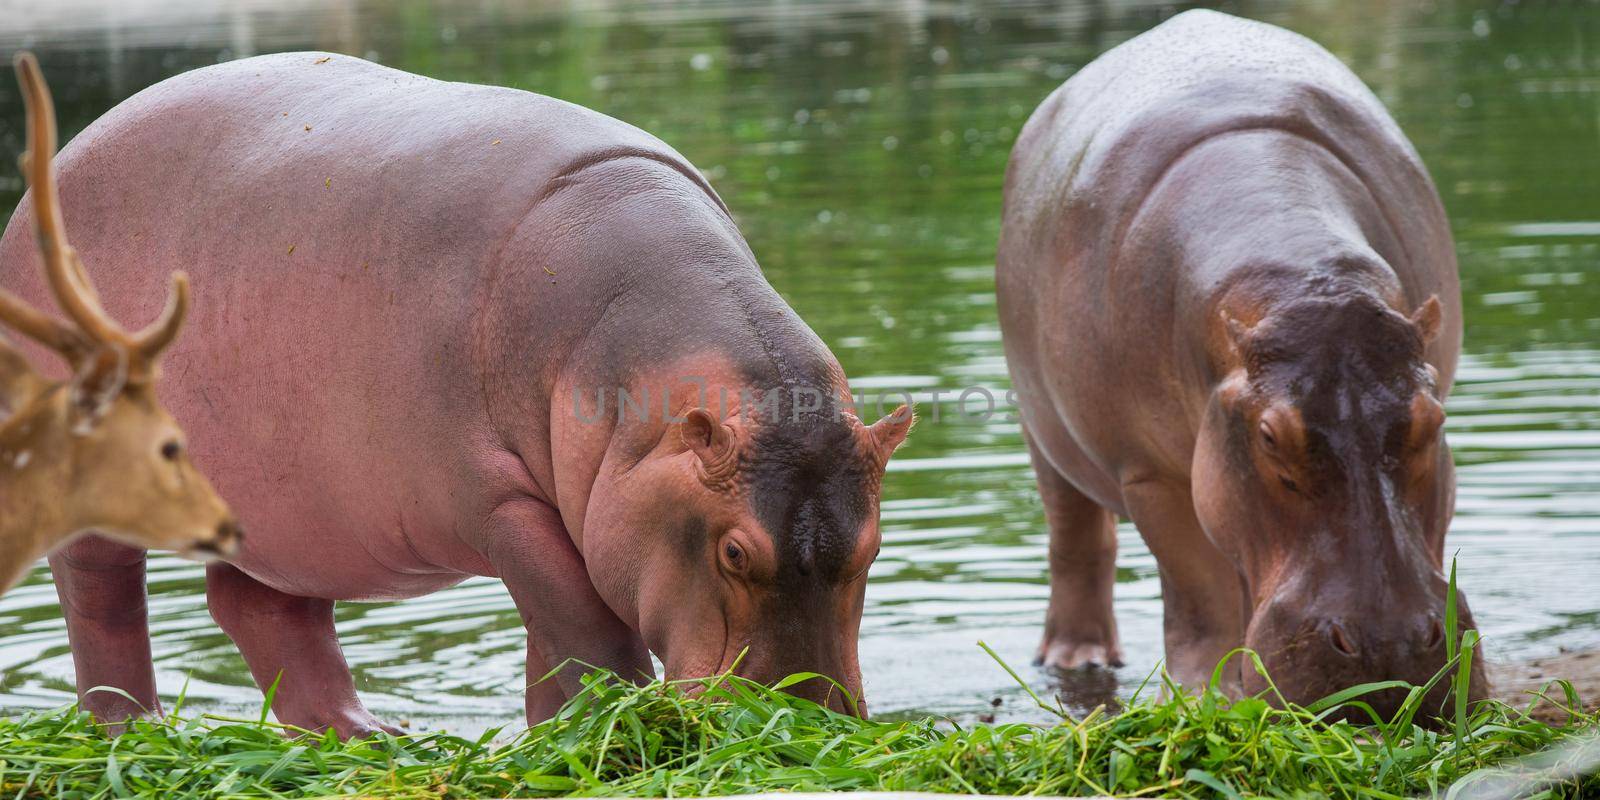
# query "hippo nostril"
(1341, 640)
(1435, 634)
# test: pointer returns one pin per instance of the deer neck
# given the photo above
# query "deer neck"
(33, 477)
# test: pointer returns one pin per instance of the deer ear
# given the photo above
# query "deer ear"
(1428, 318)
(18, 380)
(890, 432)
(96, 385)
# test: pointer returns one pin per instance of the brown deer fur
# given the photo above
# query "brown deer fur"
(97, 452)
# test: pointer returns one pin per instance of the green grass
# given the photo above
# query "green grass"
(727, 735)
(735, 736)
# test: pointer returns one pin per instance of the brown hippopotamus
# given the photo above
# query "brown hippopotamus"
(411, 297)
(1232, 313)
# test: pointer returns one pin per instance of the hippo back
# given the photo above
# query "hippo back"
(342, 223)
(1101, 141)
(1085, 322)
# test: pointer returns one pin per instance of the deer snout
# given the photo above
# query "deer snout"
(224, 541)
(229, 535)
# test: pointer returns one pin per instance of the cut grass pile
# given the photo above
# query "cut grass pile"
(734, 736)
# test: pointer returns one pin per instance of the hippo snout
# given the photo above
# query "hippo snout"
(1419, 635)
(1312, 652)
(825, 693)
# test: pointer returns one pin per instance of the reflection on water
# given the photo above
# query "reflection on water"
(863, 149)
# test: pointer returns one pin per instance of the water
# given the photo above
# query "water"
(862, 149)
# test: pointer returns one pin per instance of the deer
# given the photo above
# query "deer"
(98, 451)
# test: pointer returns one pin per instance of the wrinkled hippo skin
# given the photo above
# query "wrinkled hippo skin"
(1232, 313)
(401, 285)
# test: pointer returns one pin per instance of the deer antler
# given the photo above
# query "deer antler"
(42, 328)
(68, 279)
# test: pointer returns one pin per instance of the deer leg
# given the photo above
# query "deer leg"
(101, 587)
(290, 641)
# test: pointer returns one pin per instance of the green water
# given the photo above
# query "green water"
(862, 148)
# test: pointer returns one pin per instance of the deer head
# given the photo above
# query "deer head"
(98, 451)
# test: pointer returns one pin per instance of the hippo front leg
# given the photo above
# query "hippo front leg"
(531, 551)
(291, 641)
(1202, 596)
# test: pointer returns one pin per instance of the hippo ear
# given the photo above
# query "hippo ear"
(1238, 334)
(890, 432)
(712, 441)
(1428, 318)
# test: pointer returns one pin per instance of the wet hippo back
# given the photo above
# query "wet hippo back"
(1090, 158)
(1100, 143)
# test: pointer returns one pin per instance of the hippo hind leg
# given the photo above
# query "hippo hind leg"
(1080, 629)
(101, 587)
(290, 640)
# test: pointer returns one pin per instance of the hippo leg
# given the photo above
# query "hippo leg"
(101, 587)
(291, 641)
(544, 697)
(1202, 595)
(566, 619)
(1080, 629)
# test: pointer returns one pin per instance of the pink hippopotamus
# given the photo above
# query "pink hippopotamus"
(1232, 314)
(443, 330)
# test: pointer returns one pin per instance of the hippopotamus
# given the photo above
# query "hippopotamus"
(1231, 312)
(444, 330)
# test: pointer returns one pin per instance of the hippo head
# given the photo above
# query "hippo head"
(768, 525)
(1322, 472)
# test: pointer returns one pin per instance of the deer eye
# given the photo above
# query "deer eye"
(170, 450)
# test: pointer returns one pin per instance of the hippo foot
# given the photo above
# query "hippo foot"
(1066, 653)
(114, 711)
(111, 705)
(347, 723)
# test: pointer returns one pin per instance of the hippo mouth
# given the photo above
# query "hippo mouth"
(694, 668)
(732, 653)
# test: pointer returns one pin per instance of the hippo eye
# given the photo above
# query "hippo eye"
(734, 553)
(170, 450)
(1267, 436)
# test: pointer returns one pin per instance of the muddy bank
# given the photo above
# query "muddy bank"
(1516, 682)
